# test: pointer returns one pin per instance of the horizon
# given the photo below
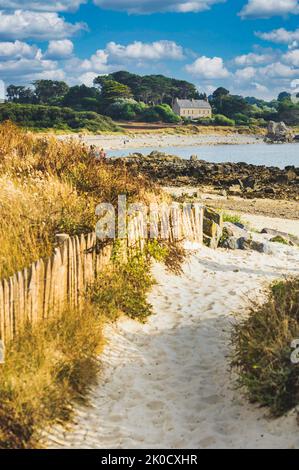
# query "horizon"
(199, 41)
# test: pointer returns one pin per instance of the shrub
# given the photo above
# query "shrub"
(47, 117)
(262, 349)
(126, 109)
(47, 367)
(161, 112)
(221, 120)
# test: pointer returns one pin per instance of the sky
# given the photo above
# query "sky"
(250, 47)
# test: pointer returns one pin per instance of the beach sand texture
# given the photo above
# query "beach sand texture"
(167, 384)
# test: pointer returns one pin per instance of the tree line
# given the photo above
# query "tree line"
(126, 96)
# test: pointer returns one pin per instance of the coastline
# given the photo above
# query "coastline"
(159, 140)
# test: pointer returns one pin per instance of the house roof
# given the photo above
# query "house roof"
(195, 104)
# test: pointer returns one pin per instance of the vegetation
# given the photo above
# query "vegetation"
(126, 96)
(54, 117)
(262, 349)
(152, 89)
(48, 187)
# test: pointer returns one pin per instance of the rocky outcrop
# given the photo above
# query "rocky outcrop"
(239, 179)
(212, 227)
(278, 132)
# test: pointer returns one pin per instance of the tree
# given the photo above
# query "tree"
(81, 97)
(152, 89)
(49, 91)
(20, 94)
(284, 95)
(112, 91)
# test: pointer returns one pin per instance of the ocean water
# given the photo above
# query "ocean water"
(279, 155)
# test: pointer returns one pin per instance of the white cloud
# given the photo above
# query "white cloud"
(36, 5)
(208, 68)
(269, 8)
(24, 66)
(245, 74)
(87, 78)
(278, 70)
(139, 50)
(151, 6)
(253, 59)
(17, 50)
(61, 49)
(29, 24)
(292, 57)
(98, 62)
(280, 36)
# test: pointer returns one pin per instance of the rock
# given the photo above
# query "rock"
(291, 239)
(279, 239)
(233, 230)
(278, 132)
(249, 244)
(232, 243)
(212, 227)
(193, 158)
(217, 217)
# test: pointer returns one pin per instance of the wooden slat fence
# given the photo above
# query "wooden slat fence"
(47, 286)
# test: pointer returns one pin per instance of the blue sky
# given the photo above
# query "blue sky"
(248, 46)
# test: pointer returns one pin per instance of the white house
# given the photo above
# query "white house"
(192, 109)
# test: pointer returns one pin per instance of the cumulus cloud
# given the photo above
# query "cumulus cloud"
(292, 57)
(142, 51)
(39, 5)
(17, 50)
(97, 63)
(208, 68)
(245, 74)
(38, 25)
(280, 36)
(60, 49)
(152, 6)
(269, 8)
(253, 59)
(278, 70)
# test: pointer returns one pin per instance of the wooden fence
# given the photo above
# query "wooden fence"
(47, 286)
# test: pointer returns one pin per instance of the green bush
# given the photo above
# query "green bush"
(262, 349)
(126, 109)
(48, 117)
(221, 120)
(161, 112)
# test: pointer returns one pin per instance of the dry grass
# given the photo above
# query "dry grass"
(47, 367)
(262, 349)
(49, 187)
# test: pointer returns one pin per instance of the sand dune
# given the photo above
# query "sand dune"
(167, 384)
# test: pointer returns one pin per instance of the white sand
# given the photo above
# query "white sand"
(157, 140)
(167, 384)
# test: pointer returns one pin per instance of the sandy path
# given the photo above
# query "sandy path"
(167, 384)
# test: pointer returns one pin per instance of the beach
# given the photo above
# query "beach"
(158, 139)
(167, 384)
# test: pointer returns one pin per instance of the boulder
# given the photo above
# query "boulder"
(291, 239)
(278, 132)
(250, 244)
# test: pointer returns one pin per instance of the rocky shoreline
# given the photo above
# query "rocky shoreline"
(232, 179)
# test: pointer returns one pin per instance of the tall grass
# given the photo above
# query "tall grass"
(47, 367)
(262, 349)
(49, 187)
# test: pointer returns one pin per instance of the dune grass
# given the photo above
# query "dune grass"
(262, 349)
(49, 187)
